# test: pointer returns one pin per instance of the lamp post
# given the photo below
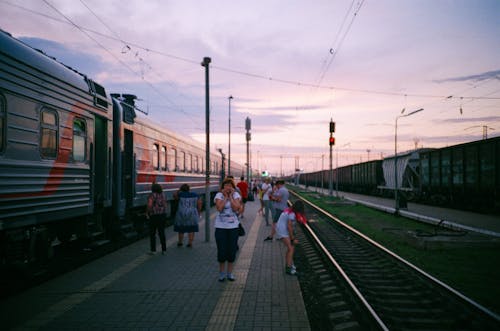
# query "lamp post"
(229, 145)
(248, 127)
(396, 203)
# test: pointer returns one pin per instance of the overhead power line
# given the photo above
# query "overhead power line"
(248, 74)
(85, 31)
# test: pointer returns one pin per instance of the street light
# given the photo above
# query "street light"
(396, 204)
(229, 147)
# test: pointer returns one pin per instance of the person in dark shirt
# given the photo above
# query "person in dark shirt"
(156, 214)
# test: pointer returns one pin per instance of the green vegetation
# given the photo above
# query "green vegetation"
(470, 266)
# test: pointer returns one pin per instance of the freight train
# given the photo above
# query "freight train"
(77, 162)
(464, 176)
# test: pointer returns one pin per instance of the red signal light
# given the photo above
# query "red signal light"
(332, 141)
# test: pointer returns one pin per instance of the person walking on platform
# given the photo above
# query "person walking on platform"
(188, 215)
(280, 203)
(228, 204)
(156, 214)
(243, 186)
(266, 189)
(285, 229)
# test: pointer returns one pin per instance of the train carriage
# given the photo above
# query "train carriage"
(465, 175)
(47, 157)
(151, 153)
(75, 162)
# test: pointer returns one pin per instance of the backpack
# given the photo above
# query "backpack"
(159, 204)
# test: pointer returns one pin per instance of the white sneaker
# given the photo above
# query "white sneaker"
(291, 271)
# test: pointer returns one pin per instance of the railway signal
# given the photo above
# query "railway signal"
(331, 142)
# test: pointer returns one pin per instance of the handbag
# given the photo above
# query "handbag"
(241, 230)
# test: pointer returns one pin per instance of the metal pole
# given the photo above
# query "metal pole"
(229, 147)
(396, 205)
(248, 127)
(205, 63)
(322, 172)
(337, 172)
(330, 180)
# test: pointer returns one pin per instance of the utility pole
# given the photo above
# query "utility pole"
(248, 125)
(205, 63)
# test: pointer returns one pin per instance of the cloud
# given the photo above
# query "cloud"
(470, 119)
(495, 74)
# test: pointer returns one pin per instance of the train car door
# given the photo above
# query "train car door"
(128, 167)
(101, 194)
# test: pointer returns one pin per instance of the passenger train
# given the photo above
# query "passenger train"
(464, 176)
(77, 162)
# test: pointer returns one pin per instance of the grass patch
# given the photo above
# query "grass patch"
(473, 269)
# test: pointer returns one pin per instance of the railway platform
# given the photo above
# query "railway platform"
(132, 290)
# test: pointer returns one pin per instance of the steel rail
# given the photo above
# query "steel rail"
(399, 258)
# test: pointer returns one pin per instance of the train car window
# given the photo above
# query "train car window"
(79, 140)
(49, 131)
(154, 159)
(177, 165)
(181, 161)
(189, 162)
(196, 166)
(2, 124)
(171, 159)
(163, 158)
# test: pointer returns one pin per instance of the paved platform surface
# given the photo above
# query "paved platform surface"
(132, 290)
(476, 222)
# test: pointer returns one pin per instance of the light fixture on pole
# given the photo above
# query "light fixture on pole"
(229, 145)
(396, 202)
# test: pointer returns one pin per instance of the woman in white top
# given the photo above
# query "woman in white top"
(285, 229)
(227, 203)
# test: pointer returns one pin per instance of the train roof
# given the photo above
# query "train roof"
(412, 154)
(144, 119)
(20, 52)
(481, 141)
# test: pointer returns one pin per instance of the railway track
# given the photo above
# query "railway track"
(352, 282)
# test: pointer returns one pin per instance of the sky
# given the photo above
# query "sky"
(291, 67)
